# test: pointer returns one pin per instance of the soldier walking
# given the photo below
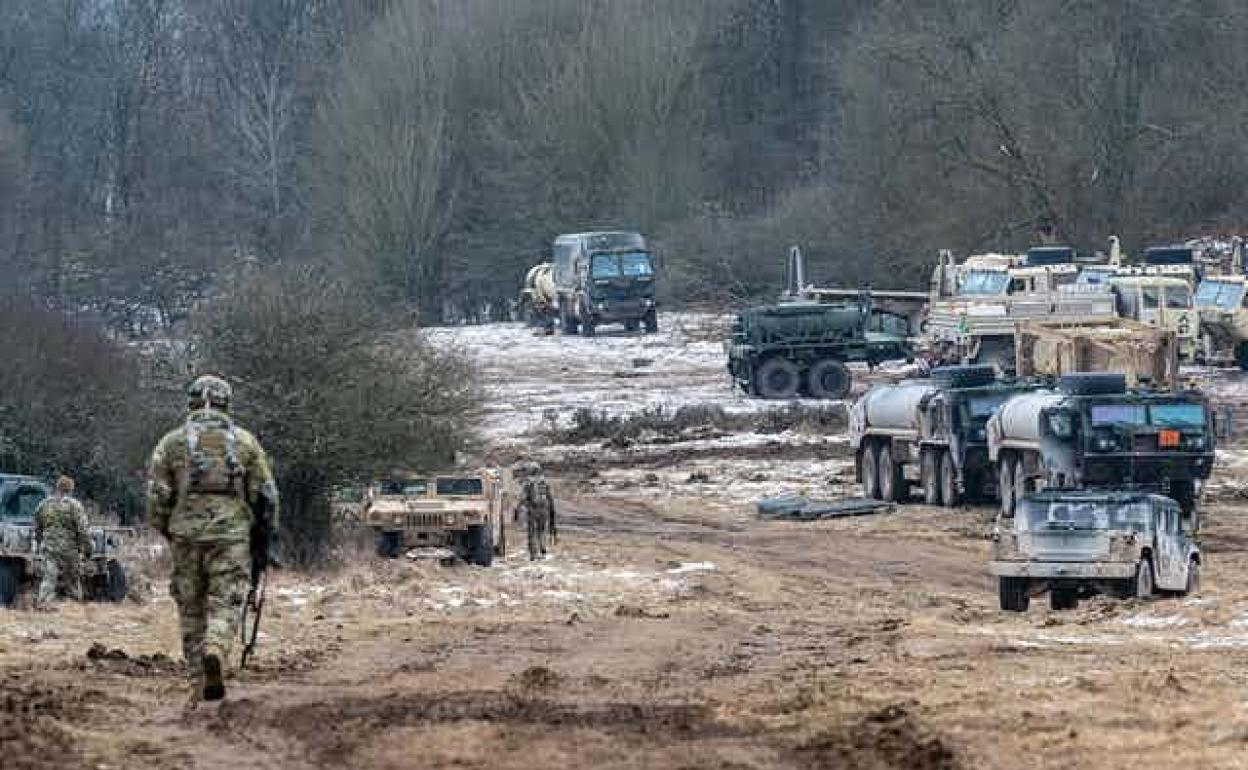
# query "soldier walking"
(64, 541)
(207, 482)
(537, 505)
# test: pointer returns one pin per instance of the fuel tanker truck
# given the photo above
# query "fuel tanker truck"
(538, 303)
(1090, 432)
(931, 431)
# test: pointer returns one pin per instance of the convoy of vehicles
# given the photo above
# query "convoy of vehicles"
(463, 512)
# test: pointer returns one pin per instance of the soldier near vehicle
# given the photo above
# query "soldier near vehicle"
(62, 536)
(537, 506)
(209, 486)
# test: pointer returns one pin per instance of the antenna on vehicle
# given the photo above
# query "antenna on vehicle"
(1115, 251)
(795, 273)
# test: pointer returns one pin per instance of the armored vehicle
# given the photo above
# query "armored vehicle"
(1146, 355)
(930, 431)
(1161, 301)
(1223, 310)
(104, 577)
(1092, 433)
(800, 348)
(604, 277)
(463, 512)
(1077, 544)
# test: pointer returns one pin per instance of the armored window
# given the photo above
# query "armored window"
(1128, 301)
(453, 486)
(603, 266)
(23, 502)
(636, 264)
(1178, 297)
(1118, 414)
(1152, 297)
(1177, 415)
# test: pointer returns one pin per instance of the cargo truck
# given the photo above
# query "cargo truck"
(929, 431)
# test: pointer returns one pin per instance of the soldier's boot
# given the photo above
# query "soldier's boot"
(214, 673)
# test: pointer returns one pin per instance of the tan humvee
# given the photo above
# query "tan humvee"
(465, 512)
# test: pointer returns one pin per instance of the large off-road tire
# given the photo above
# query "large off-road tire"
(1093, 383)
(1184, 493)
(1063, 599)
(1005, 486)
(9, 582)
(929, 474)
(479, 542)
(1241, 356)
(949, 492)
(1144, 586)
(115, 581)
(829, 379)
(588, 327)
(631, 325)
(1014, 593)
(569, 324)
(500, 541)
(778, 378)
(389, 544)
(1193, 579)
(892, 482)
(651, 322)
(869, 462)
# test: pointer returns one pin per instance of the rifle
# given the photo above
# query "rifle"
(263, 539)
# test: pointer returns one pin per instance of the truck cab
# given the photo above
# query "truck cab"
(1077, 544)
(602, 278)
(1161, 301)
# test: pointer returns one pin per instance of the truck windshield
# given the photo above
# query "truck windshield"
(414, 487)
(1178, 297)
(1224, 295)
(983, 406)
(604, 266)
(984, 283)
(1177, 415)
(452, 487)
(1087, 514)
(636, 264)
(1119, 414)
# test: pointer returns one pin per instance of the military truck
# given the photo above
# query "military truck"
(1077, 544)
(801, 347)
(1161, 301)
(976, 305)
(602, 278)
(464, 512)
(104, 576)
(1092, 433)
(1223, 307)
(931, 432)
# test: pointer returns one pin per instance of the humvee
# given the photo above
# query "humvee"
(104, 577)
(463, 512)
(1077, 544)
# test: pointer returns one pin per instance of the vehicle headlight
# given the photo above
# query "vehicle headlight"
(1196, 443)
(1105, 442)
(602, 306)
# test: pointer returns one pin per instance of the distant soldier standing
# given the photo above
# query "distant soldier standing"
(207, 481)
(64, 541)
(537, 505)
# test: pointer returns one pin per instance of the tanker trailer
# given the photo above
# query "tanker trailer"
(930, 431)
(1092, 433)
(800, 348)
(538, 299)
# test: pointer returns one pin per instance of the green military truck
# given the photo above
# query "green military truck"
(800, 348)
(104, 577)
(603, 278)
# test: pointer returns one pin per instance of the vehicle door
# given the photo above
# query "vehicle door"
(1170, 554)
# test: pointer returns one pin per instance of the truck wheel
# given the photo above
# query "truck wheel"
(949, 491)
(115, 587)
(929, 473)
(480, 541)
(1063, 599)
(1005, 486)
(631, 325)
(569, 324)
(1014, 594)
(869, 461)
(1184, 493)
(1241, 355)
(778, 378)
(500, 542)
(892, 483)
(1193, 578)
(588, 329)
(1144, 579)
(829, 379)
(8, 583)
(652, 322)
(388, 545)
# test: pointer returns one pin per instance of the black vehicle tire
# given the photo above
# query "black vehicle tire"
(500, 542)
(870, 471)
(569, 324)
(1144, 586)
(1241, 356)
(829, 379)
(1093, 383)
(1063, 599)
(480, 545)
(9, 583)
(929, 474)
(388, 545)
(1005, 486)
(778, 378)
(1014, 594)
(651, 322)
(115, 581)
(1020, 482)
(970, 376)
(949, 492)
(631, 325)
(1184, 493)
(1193, 578)
(588, 328)
(892, 482)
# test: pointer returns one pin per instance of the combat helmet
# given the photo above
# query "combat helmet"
(211, 392)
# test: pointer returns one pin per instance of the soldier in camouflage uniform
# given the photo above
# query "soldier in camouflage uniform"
(205, 481)
(64, 541)
(537, 505)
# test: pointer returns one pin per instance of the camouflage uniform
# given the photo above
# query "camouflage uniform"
(537, 505)
(64, 541)
(204, 481)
